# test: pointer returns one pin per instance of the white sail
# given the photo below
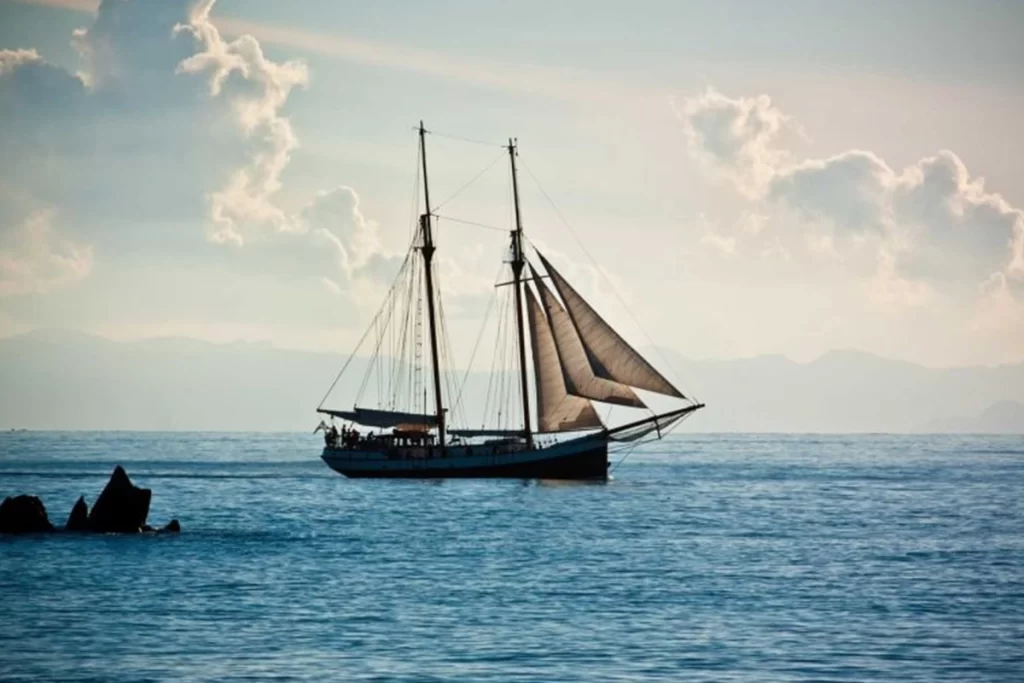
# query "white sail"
(610, 356)
(580, 379)
(557, 411)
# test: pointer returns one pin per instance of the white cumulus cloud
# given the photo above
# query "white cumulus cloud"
(34, 260)
(932, 219)
(930, 237)
(257, 88)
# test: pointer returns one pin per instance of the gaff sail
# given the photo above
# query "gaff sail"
(610, 356)
(557, 410)
(579, 377)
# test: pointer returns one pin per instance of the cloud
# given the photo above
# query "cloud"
(75, 5)
(334, 220)
(164, 122)
(33, 260)
(735, 137)
(162, 153)
(850, 190)
(10, 60)
(570, 85)
(928, 240)
(165, 152)
(28, 84)
(931, 221)
(337, 213)
(998, 320)
(257, 88)
(891, 293)
(123, 143)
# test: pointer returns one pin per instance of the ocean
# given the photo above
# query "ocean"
(707, 558)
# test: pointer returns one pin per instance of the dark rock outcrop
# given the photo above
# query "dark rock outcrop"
(23, 515)
(78, 520)
(122, 507)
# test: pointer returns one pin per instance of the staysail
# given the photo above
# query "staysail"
(580, 379)
(557, 411)
(610, 356)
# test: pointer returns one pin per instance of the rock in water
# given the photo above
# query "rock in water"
(78, 520)
(122, 507)
(23, 515)
(173, 527)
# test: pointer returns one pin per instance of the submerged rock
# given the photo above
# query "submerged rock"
(122, 507)
(23, 515)
(78, 520)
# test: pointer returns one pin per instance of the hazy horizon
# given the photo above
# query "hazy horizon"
(345, 352)
(85, 382)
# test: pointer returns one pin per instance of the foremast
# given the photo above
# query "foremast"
(428, 255)
(518, 261)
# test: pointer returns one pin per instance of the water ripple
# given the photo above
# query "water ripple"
(741, 558)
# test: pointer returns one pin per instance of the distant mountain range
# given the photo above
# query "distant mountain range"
(68, 380)
(1003, 417)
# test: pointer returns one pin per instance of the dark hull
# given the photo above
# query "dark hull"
(583, 464)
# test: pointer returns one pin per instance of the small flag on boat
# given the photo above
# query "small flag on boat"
(320, 426)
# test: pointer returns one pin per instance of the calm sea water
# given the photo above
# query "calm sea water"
(708, 558)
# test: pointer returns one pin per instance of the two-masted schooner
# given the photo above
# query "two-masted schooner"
(576, 357)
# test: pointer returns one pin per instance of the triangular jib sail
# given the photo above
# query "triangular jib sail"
(580, 379)
(610, 356)
(557, 411)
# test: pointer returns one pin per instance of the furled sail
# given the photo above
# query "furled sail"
(470, 433)
(557, 411)
(502, 433)
(384, 418)
(610, 356)
(580, 379)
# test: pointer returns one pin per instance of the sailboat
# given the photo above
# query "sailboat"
(577, 359)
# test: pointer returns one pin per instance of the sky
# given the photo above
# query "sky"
(723, 179)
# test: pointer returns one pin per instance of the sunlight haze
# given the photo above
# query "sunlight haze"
(751, 178)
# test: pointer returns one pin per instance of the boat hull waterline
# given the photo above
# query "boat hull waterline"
(574, 460)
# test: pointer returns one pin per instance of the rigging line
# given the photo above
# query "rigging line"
(497, 366)
(464, 139)
(446, 354)
(376, 351)
(464, 222)
(475, 178)
(629, 451)
(389, 305)
(379, 375)
(497, 363)
(611, 285)
(476, 346)
(400, 370)
(353, 354)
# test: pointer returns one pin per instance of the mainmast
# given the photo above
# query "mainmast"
(518, 261)
(428, 255)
